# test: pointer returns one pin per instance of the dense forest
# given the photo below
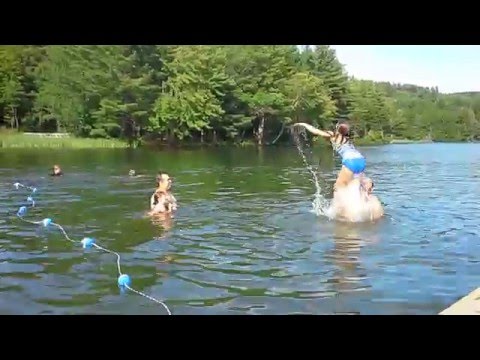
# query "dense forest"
(212, 94)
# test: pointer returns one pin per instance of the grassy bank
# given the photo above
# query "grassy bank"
(13, 139)
(251, 143)
(19, 140)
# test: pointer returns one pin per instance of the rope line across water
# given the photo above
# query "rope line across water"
(123, 279)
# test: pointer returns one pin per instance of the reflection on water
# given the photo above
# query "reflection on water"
(162, 221)
(244, 240)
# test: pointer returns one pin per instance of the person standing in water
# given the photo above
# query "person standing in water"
(162, 200)
(353, 162)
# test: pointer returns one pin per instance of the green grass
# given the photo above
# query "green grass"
(19, 140)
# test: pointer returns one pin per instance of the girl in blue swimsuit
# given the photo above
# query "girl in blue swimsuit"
(353, 162)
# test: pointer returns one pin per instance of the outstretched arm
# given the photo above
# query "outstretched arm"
(314, 130)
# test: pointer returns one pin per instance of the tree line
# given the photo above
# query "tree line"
(211, 94)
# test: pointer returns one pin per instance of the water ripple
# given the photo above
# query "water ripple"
(244, 240)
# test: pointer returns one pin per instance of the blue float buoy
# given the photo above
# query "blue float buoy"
(87, 242)
(22, 211)
(124, 280)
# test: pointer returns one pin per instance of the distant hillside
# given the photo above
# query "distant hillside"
(213, 93)
(466, 93)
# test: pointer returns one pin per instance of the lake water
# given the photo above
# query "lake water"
(244, 240)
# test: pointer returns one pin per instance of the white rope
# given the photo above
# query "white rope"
(111, 252)
(20, 216)
(149, 297)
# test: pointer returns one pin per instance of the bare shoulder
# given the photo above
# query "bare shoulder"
(376, 203)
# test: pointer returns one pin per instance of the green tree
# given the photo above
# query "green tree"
(193, 93)
(324, 63)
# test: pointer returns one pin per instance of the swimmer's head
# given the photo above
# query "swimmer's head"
(343, 128)
(56, 170)
(368, 185)
(131, 172)
(164, 181)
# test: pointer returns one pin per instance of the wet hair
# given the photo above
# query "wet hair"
(371, 187)
(343, 128)
(159, 176)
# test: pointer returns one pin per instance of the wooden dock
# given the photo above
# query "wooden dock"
(468, 305)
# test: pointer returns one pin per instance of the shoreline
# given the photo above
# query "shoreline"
(24, 141)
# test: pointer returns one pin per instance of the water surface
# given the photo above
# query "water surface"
(244, 240)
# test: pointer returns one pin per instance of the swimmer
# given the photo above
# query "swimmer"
(374, 205)
(133, 174)
(366, 186)
(356, 202)
(56, 171)
(162, 200)
(353, 162)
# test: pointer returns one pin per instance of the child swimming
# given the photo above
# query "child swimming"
(56, 171)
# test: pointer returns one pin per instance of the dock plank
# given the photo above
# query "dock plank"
(468, 305)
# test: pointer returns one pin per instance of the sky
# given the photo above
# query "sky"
(453, 68)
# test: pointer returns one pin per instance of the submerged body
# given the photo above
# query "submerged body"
(355, 202)
(163, 202)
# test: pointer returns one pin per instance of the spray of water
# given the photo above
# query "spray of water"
(320, 205)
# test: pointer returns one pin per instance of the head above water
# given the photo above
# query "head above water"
(164, 181)
(56, 170)
(368, 185)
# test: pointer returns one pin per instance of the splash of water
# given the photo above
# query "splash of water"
(358, 210)
(320, 205)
